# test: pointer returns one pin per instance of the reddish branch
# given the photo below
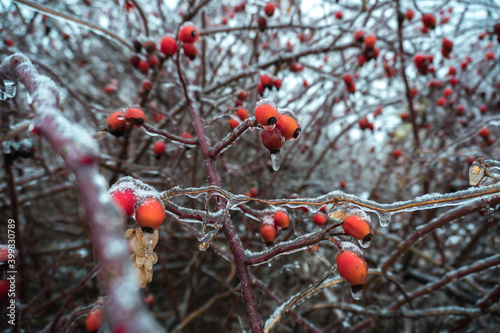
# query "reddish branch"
(80, 154)
(227, 227)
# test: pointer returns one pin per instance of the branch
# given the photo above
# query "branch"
(80, 153)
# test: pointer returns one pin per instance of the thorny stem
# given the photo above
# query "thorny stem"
(228, 228)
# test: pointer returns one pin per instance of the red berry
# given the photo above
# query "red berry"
(454, 81)
(490, 56)
(359, 36)
(277, 83)
(266, 80)
(189, 50)
(352, 267)
(94, 320)
(189, 34)
(429, 21)
(159, 148)
(484, 132)
(397, 153)
(147, 85)
(452, 71)
(153, 61)
(361, 60)
(351, 88)
(262, 23)
(242, 114)
(339, 15)
(447, 45)
(447, 92)
(358, 228)
(117, 124)
(242, 95)
(409, 15)
(272, 140)
(143, 66)
(267, 115)
(135, 116)
(4, 288)
(269, 9)
(347, 79)
(320, 219)
(8, 42)
(483, 109)
(342, 184)
(233, 123)
(268, 233)
(126, 200)
(260, 89)
(186, 135)
(150, 46)
(288, 126)
(168, 46)
(135, 60)
(281, 219)
(150, 213)
(370, 42)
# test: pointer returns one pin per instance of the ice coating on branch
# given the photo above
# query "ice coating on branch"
(8, 89)
(276, 160)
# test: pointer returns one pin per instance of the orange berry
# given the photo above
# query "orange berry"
(94, 320)
(159, 148)
(233, 123)
(266, 114)
(150, 213)
(117, 124)
(288, 125)
(268, 233)
(168, 46)
(149, 300)
(320, 219)
(242, 114)
(358, 228)
(135, 116)
(352, 266)
(189, 34)
(126, 200)
(282, 219)
(186, 135)
(370, 42)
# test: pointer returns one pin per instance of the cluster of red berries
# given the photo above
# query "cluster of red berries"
(269, 9)
(188, 35)
(147, 209)
(422, 63)
(268, 82)
(272, 226)
(119, 121)
(369, 50)
(240, 115)
(279, 126)
(350, 86)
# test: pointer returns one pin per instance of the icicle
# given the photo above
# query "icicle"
(275, 158)
(148, 243)
(365, 244)
(384, 218)
(357, 292)
(8, 89)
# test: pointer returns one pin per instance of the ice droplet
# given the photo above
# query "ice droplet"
(148, 243)
(365, 244)
(188, 153)
(275, 158)
(357, 291)
(384, 218)
(8, 89)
